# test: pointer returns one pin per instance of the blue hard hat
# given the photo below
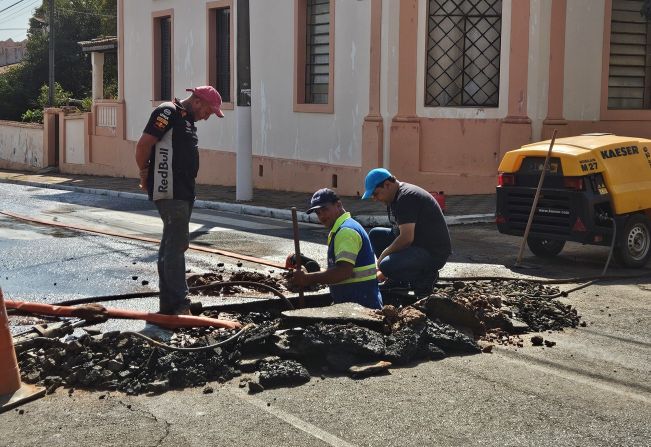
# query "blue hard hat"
(322, 197)
(373, 179)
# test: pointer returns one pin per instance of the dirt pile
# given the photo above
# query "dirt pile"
(276, 280)
(204, 279)
(200, 280)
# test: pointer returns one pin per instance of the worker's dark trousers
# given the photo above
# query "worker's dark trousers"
(171, 254)
(408, 265)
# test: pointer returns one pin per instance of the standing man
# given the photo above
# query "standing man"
(351, 271)
(167, 155)
(412, 253)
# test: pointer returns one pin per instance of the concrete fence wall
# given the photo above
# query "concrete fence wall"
(21, 146)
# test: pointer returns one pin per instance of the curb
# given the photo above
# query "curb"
(253, 210)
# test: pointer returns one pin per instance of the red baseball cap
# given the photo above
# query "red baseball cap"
(211, 96)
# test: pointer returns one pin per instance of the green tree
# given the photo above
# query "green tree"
(74, 21)
(14, 96)
(61, 98)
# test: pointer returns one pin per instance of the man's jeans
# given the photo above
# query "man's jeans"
(408, 265)
(171, 254)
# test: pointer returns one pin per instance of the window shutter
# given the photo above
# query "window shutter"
(223, 53)
(628, 77)
(317, 58)
(166, 59)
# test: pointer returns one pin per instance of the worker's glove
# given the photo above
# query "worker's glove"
(310, 264)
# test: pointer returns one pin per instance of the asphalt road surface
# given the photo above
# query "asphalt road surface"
(591, 389)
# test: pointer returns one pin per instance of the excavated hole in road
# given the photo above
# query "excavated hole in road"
(460, 318)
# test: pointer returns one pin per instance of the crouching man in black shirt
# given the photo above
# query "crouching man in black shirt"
(410, 253)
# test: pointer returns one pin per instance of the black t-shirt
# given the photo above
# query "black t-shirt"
(412, 204)
(174, 160)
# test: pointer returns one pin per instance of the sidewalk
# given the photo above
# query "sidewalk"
(265, 203)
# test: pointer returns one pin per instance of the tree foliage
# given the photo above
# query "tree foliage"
(74, 21)
(61, 98)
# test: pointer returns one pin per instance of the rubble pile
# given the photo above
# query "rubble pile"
(283, 348)
(203, 279)
(500, 337)
(277, 281)
(542, 314)
(498, 311)
(114, 362)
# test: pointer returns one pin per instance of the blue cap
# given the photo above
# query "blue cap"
(321, 198)
(373, 179)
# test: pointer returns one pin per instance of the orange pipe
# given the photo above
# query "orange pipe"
(169, 321)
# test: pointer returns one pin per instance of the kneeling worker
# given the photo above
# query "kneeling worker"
(414, 252)
(351, 272)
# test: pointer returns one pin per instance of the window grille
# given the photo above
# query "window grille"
(629, 77)
(463, 53)
(317, 59)
(165, 24)
(223, 53)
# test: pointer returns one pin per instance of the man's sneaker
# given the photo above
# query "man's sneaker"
(156, 332)
(424, 286)
(423, 292)
(393, 285)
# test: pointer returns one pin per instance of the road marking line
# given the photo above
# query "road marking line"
(296, 422)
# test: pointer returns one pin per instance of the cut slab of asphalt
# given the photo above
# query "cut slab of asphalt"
(337, 313)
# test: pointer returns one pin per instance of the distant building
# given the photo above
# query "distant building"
(12, 52)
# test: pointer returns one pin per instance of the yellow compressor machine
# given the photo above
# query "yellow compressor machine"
(596, 185)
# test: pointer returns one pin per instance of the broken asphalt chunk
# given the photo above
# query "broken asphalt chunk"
(369, 369)
(277, 372)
